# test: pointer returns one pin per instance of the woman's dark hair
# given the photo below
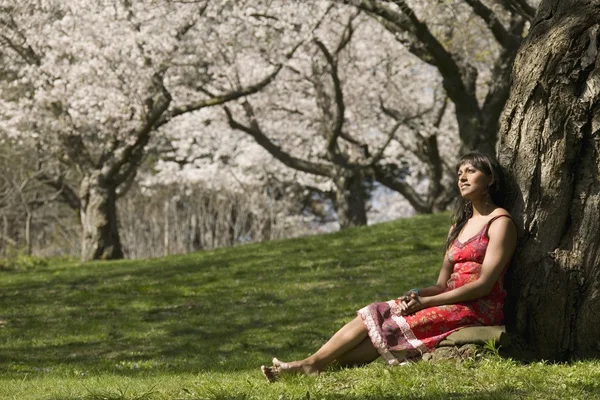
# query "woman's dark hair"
(463, 210)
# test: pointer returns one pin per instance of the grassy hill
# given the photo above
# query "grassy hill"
(198, 326)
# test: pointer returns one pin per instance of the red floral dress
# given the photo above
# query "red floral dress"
(420, 332)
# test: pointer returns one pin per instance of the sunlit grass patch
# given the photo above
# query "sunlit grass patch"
(198, 326)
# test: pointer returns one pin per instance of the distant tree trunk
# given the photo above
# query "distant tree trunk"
(351, 199)
(28, 218)
(232, 223)
(4, 235)
(550, 143)
(99, 220)
(195, 242)
(166, 228)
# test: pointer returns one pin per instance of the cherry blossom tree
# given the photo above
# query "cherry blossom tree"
(442, 34)
(325, 116)
(322, 132)
(316, 117)
(97, 80)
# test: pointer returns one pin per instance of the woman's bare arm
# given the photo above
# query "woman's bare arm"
(502, 242)
(443, 277)
(442, 280)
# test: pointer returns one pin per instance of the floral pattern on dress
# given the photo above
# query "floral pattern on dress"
(412, 335)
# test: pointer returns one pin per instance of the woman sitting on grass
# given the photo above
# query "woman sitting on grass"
(469, 289)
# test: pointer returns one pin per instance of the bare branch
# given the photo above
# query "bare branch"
(220, 99)
(502, 36)
(520, 7)
(350, 139)
(255, 131)
(450, 70)
(26, 53)
(405, 121)
(412, 44)
(457, 78)
(389, 176)
(130, 156)
(216, 100)
(437, 121)
(426, 150)
(379, 155)
(339, 99)
(77, 151)
(265, 16)
(62, 188)
(399, 117)
(397, 24)
(346, 34)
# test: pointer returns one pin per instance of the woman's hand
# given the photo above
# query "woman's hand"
(411, 303)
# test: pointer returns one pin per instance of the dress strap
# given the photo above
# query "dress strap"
(487, 226)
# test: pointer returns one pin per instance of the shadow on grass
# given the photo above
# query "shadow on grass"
(217, 311)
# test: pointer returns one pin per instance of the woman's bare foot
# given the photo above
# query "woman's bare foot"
(270, 373)
(273, 373)
(298, 367)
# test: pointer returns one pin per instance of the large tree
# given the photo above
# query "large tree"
(343, 111)
(549, 141)
(96, 81)
(469, 58)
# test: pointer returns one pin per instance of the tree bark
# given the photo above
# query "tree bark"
(98, 211)
(351, 199)
(550, 144)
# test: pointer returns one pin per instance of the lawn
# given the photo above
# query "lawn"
(199, 326)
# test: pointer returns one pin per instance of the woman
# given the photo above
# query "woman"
(468, 291)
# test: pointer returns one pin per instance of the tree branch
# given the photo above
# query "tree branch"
(130, 156)
(219, 99)
(379, 155)
(346, 34)
(26, 53)
(499, 90)
(255, 131)
(339, 100)
(77, 151)
(426, 150)
(502, 36)
(67, 193)
(455, 78)
(397, 24)
(520, 7)
(390, 176)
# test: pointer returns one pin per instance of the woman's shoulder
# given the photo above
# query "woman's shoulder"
(504, 220)
(500, 212)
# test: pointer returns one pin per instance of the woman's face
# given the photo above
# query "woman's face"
(472, 183)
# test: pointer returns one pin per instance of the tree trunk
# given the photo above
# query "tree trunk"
(550, 143)
(195, 242)
(28, 218)
(4, 235)
(99, 220)
(166, 229)
(351, 199)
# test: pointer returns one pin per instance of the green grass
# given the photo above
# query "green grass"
(199, 326)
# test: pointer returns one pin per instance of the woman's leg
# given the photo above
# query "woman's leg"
(362, 354)
(346, 339)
